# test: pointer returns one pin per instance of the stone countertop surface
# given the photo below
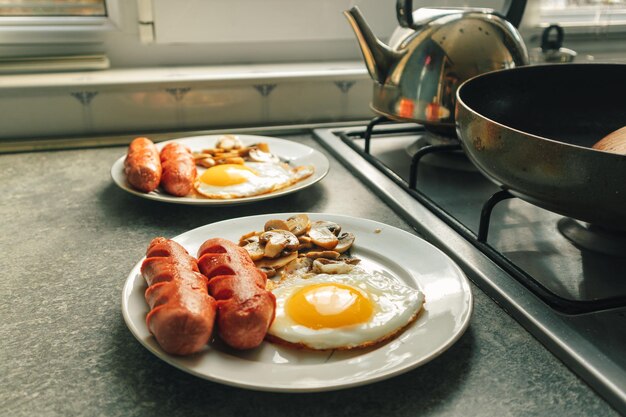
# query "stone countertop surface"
(69, 239)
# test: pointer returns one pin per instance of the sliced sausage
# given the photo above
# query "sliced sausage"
(179, 169)
(245, 309)
(142, 165)
(182, 312)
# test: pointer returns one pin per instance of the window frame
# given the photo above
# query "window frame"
(19, 30)
(579, 21)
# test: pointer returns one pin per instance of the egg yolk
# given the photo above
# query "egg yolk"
(226, 174)
(328, 305)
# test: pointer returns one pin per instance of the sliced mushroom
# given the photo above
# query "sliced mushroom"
(305, 246)
(323, 237)
(349, 260)
(206, 162)
(228, 142)
(277, 242)
(329, 266)
(298, 266)
(255, 250)
(332, 226)
(258, 155)
(276, 225)
(328, 254)
(304, 239)
(248, 237)
(234, 160)
(299, 224)
(269, 271)
(276, 263)
(305, 243)
(345, 242)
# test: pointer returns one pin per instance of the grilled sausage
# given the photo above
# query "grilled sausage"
(245, 309)
(142, 165)
(179, 169)
(182, 312)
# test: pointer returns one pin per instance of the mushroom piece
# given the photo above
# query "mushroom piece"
(276, 263)
(276, 225)
(305, 242)
(269, 271)
(298, 266)
(345, 242)
(249, 237)
(258, 155)
(299, 224)
(332, 226)
(277, 242)
(349, 260)
(328, 254)
(235, 160)
(228, 142)
(330, 266)
(255, 250)
(323, 237)
(206, 162)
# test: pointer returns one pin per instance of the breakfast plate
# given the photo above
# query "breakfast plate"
(296, 154)
(383, 249)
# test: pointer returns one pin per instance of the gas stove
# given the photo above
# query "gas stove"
(559, 278)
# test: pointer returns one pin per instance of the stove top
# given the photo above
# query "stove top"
(573, 299)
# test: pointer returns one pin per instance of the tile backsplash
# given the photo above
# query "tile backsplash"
(168, 99)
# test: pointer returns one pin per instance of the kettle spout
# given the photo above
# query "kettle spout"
(377, 55)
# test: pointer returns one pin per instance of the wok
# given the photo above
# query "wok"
(530, 129)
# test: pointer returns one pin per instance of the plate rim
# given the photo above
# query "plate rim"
(118, 164)
(286, 387)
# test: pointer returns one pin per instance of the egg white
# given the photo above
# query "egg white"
(395, 306)
(267, 177)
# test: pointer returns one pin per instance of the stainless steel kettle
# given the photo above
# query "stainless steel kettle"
(432, 52)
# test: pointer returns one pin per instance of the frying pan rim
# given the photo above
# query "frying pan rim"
(460, 102)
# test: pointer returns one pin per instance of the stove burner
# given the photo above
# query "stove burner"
(468, 211)
(455, 159)
(593, 238)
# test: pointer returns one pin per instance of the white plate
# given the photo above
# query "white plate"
(446, 315)
(295, 153)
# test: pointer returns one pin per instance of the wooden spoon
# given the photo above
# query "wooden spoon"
(614, 142)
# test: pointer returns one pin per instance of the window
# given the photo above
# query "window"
(52, 8)
(584, 12)
(143, 33)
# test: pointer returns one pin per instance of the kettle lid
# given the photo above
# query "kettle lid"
(513, 11)
(424, 15)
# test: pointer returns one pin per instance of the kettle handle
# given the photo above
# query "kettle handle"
(404, 13)
(513, 12)
(548, 44)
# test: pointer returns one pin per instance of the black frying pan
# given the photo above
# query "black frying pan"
(530, 129)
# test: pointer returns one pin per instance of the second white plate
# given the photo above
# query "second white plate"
(446, 315)
(296, 153)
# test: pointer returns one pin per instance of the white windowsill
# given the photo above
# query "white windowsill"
(197, 74)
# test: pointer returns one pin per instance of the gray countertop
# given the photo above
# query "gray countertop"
(69, 239)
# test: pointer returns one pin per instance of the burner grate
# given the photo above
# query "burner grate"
(558, 302)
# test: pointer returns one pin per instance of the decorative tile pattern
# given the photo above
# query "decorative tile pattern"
(85, 98)
(265, 89)
(174, 103)
(179, 95)
(345, 86)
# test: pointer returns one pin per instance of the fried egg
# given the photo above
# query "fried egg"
(250, 179)
(343, 311)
